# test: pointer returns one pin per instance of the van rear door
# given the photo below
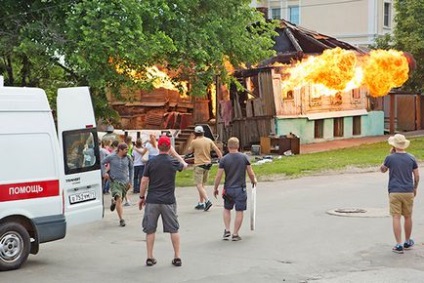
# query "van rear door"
(80, 180)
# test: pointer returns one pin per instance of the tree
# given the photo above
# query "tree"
(191, 38)
(409, 37)
(27, 55)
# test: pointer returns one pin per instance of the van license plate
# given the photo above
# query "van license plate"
(81, 197)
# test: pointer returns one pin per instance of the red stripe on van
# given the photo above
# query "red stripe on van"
(29, 190)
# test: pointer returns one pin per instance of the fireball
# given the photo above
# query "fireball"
(384, 70)
(337, 70)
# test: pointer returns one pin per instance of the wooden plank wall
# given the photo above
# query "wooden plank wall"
(266, 92)
(260, 111)
(247, 130)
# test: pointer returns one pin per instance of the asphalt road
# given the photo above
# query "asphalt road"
(296, 240)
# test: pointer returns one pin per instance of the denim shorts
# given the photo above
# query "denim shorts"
(235, 197)
(168, 212)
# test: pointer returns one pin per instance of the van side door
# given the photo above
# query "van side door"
(81, 178)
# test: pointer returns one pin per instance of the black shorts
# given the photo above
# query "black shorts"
(235, 197)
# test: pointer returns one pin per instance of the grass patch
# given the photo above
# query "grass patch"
(312, 163)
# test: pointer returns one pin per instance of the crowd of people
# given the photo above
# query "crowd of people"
(150, 169)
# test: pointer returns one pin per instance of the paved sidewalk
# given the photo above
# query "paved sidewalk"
(344, 143)
(296, 241)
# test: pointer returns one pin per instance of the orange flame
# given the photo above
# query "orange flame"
(385, 70)
(158, 77)
(338, 70)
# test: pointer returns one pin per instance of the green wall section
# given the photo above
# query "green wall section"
(371, 125)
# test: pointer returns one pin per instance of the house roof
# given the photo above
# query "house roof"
(294, 42)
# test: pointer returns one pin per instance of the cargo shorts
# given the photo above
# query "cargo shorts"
(118, 189)
(200, 175)
(401, 203)
(168, 213)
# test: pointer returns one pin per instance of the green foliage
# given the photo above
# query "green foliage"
(81, 42)
(409, 36)
(383, 42)
(367, 155)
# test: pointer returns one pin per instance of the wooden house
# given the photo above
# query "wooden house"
(264, 114)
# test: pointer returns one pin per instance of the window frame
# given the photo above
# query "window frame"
(338, 127)
(356, 125)
(291, 15)
(387, 14)
(273, 15)
(66, 135)
(319, 128)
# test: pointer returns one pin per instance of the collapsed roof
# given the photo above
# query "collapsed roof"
(294, 42)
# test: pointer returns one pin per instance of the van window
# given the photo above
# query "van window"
(81, 151)
(27, 156)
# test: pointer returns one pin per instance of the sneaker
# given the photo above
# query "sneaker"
(408, 244)
(122, 223)
(127, 204)
(113, 205)
(398, 249)
(227, 235)
(208, 205)
(236, 238)
(200, 206)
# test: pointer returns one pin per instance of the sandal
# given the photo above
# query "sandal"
(151, 261)
(177, 261)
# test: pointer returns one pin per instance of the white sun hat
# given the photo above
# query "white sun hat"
(398, 141)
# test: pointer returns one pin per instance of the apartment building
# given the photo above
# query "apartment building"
(357, 22)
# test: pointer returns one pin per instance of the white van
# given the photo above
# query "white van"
(49, 179)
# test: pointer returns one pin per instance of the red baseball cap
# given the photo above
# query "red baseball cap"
(164, 140)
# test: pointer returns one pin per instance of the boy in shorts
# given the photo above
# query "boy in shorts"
(235, 165)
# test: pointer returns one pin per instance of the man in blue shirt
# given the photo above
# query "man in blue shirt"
(403, 183)
(121, 175)
(235, 165)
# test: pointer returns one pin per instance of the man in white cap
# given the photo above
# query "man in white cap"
(201, 147)
(403, 183)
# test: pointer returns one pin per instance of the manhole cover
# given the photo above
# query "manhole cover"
(350, 210)
(359, 212)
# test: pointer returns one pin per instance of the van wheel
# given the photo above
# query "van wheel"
(14, 246)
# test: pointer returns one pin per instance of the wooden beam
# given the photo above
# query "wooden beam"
(392, 114)
(417, 112)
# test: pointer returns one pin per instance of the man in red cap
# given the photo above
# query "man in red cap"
(159, 175)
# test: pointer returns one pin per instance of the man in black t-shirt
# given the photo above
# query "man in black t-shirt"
(159, 175)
